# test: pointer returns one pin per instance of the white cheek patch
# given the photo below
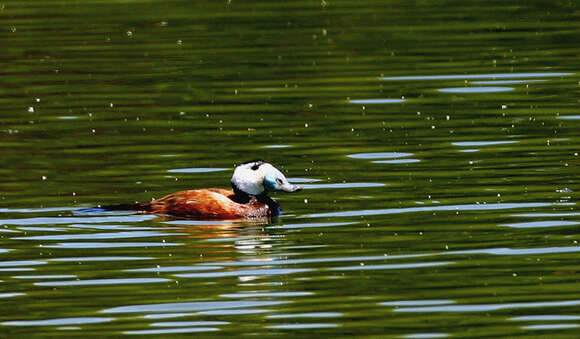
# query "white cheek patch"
(248, 180)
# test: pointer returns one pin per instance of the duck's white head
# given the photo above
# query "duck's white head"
(256, 177)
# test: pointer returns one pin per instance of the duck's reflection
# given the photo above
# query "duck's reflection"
(248, 237)
(216, 229)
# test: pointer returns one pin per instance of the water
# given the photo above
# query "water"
(437, 145)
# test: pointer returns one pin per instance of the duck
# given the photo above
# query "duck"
(251, 182)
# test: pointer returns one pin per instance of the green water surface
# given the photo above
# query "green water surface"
(437, 142)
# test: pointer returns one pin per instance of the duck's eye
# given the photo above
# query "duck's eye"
(279, 181)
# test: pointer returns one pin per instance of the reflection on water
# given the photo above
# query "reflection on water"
(61, 321)
(376, 101)
(486, 307)
(480, 76)
(482, 143)
(475, 89)
(381, 155)
(506, 82)
(439, 160)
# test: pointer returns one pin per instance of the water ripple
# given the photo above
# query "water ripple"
(266, 294)
(487, 307)
(302, 326)
(306, 315)
(277, 146)
(175, 269)
(110, 244)
(550, 326)
(313, 225)
(541, 215)
(547, 223)
(167, 315)
(107, 258)
(467, 207)
(42, 277)
(58, 322)
(521, 251)
(379, 155)
(11, 294)
(391, 266)
(237, 273)
(425, 302)
(555, 317)
(376, 101)
(317, 260)
(475, 89)
(397, 161)
(191, 306)
(343, 185)
(425, 335)
(188, 323)
(22, 263)
(235, 311)
(124, 281)
(173, 330)
(482, 143)
(108, 235)
(80, 220)
(477, 76)
(505, 82)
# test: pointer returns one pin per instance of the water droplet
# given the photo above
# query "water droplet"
(30, 109)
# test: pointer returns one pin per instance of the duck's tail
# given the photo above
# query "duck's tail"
(144, 207)
(139, 206)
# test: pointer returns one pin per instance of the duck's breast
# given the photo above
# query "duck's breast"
(207, 203)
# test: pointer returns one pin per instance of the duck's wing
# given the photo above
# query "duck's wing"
(212, 203)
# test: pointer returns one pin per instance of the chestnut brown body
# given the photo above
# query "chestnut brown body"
(209, 203)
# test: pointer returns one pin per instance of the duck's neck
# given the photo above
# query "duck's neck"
(242, 197)
(272, 204)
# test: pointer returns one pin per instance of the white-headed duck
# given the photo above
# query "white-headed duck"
(251, 182)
